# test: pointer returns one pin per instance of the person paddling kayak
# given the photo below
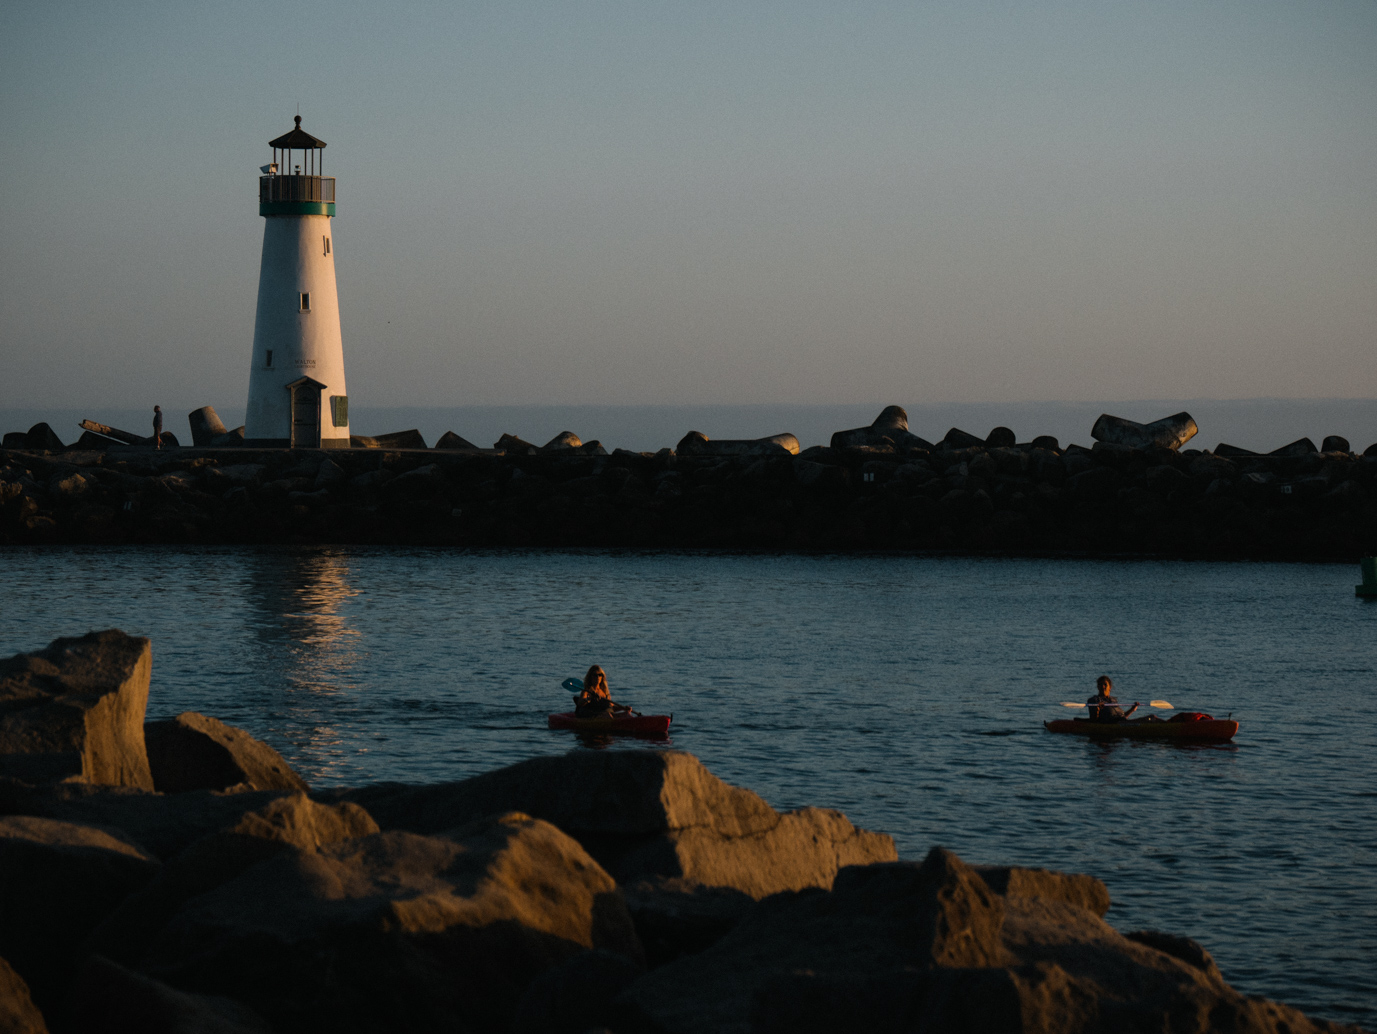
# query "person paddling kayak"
(1103, 707)
(596, 701)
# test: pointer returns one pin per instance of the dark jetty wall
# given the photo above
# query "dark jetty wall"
(1022, 498)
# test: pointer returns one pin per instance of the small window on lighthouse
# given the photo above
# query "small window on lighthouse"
(327, 245)
(305, 301)
(270, 358)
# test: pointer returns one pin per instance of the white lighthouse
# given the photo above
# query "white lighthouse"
(297, 395)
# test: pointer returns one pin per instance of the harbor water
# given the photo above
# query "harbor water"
(907, 691)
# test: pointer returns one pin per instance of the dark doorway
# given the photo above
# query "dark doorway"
(305, 413)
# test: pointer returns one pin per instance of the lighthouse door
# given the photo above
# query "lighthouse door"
(305, 413)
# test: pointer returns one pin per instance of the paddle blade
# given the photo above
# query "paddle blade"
(1161, 705)
(1067, 703)
(572, 685)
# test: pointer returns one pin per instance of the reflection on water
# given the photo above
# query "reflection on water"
(300, 625)
(306, 647)
(907, 691)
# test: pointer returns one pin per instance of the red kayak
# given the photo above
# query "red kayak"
(634, 724)
(1184, 727)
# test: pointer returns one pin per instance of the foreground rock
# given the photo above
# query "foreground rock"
(397, 931)
(164, 824)
(217, 858)
(18, 1014)
(109, 999)
(648, 815)
(930, 947)
(193, 752)
(57, 881)
(75, 710)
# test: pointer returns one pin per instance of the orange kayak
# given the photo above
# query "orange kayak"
(1215, 729)
(633, 724)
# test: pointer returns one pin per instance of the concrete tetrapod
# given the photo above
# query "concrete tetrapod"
(889, 428)
(1171, 432)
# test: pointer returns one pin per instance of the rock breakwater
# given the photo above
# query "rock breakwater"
(627, 891)
(879, 487)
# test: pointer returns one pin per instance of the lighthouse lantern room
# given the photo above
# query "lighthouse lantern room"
(297, 395)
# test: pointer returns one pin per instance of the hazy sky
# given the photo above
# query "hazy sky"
(618, 203)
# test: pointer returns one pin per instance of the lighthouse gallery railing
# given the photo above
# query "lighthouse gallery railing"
(296, 188)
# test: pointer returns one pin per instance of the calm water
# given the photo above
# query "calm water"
(907, 691)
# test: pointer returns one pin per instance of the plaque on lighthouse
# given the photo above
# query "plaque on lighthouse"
(297, 394)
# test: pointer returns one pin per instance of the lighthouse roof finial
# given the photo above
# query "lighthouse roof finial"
(297, 140)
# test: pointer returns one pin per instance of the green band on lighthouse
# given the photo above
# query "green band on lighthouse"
(296, 208)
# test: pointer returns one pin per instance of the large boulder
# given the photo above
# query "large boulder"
(647, 815)
(195, 752)
(676, 917)
(18, 1014)
(109, 999)
(76, 709)
(889, 428)
(163, 823)
(1072, 888)
(875, 918)
(288, 822)
(57, 881)
(575, 996)
(899, 948)
(397, 931)
(1171, 432)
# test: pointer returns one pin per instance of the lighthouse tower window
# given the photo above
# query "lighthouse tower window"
(269, 363)
(305, 301)
(327, 245)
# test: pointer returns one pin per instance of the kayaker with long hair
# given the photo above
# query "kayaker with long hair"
(1103, 707)
(595, 701)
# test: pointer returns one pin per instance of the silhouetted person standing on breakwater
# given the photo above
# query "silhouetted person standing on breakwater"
(157, 427)
(1103, 707)
(596, 701)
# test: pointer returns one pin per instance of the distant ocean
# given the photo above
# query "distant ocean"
(1258, 424)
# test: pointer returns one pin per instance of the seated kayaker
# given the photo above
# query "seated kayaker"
(595, 701)
(1103, 707)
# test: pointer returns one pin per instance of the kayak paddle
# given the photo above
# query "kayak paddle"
(574, 685)
(1161, 705)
